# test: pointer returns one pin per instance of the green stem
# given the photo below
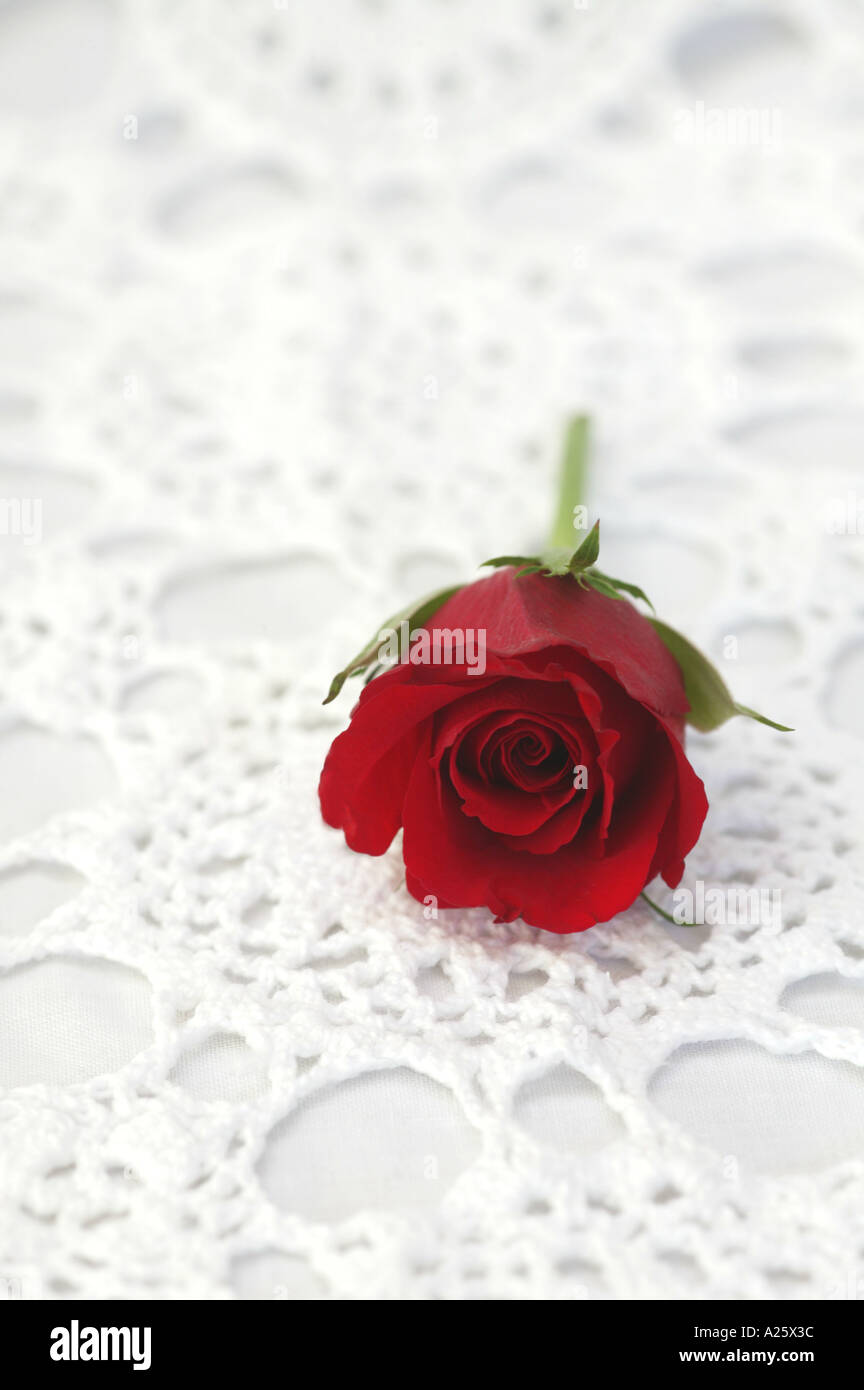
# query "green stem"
(571, 489)
(663, 913)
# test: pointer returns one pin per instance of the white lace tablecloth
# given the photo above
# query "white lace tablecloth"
(294, 300)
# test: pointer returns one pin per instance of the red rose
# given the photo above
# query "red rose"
(480, 770)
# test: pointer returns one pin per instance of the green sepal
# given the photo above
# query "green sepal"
(552, 562)
(416, 614)
(588, 551)
(711, 702)
(605, 584)
(525, 564)
(559, 561)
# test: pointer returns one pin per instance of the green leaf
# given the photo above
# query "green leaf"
(588, 551)
(416, 614)
(711, 703)
(761, 719)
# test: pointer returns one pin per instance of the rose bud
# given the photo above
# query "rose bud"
(529, 741)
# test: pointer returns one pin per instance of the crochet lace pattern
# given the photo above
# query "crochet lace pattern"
(294, 301)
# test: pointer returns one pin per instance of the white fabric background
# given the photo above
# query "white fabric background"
(293, 302)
